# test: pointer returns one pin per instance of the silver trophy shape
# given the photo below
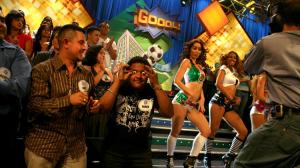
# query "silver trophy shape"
(83, 86)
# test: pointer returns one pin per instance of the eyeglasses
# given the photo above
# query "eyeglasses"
(143, 73)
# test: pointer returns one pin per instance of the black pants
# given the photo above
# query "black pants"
(8, 133)
(134, 160)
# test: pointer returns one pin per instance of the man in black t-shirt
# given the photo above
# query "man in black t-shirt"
(131, 101)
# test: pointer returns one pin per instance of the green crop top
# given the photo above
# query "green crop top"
(192, 74)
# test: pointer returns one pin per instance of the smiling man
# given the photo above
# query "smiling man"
(57, 104)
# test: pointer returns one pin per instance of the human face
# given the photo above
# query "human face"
(139, 78)
(94, 36)
(101, 56)
(2, 26)
(231, 59)
(77, 46)
(46, 32)
(104, 29)
(195, 51)
(55, 43)
(17, 23)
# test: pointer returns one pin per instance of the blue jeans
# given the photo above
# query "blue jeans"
(244, 95)
(274, 144)
(130, 160)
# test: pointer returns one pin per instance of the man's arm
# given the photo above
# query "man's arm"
(40, 99)
(254, 59)
(17, 85)
(164, 103)
(108, 99)
(111, 47)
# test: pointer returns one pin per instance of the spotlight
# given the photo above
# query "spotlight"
(184, 2)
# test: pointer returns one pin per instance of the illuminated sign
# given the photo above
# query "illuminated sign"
(213, 18)
(155, 22)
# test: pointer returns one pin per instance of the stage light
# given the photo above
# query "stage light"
(250, 4)
(185, 2)
(213, 18)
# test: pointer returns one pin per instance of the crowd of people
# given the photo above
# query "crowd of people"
(65, 82)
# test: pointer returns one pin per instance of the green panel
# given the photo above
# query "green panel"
(188, 142)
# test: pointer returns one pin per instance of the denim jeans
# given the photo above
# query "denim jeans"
(34, 161)
(244, 95)
(274, 144)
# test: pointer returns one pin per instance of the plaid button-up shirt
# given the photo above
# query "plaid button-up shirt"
(56, 125)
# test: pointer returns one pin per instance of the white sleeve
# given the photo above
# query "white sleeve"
(224, 67)
(114, 45)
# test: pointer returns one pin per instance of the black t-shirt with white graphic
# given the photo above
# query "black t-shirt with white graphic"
(129, 125)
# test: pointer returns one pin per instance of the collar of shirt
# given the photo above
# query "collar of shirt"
(58, 64)
(5, 44)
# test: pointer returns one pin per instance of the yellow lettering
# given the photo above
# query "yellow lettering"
(168, 24)
(161, 22)
(152, 20)
(143, 16)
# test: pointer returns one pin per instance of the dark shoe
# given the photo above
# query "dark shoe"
(170, 161)
(190, 162)
(207, 160)
(228, 158)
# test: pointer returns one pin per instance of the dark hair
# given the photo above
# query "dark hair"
(289, 11)
(91, 29)
(91, 54)
(13, 14)
(103, 24)
(63, 32)
(47, 20)
(54, 32)
(187, 49)
(36, 45)
(138, 59)
(224, 59)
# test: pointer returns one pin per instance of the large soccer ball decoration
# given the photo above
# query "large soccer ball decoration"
(154, 54)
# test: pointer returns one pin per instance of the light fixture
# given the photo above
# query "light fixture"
(185, 2)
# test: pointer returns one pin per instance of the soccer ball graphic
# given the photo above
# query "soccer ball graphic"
(154, 54)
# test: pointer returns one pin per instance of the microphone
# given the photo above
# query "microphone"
(83, 86)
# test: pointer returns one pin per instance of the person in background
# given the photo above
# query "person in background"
(243, 90)
(15, 72)
(277, 142)
(221, 107)
(131, 102)
(58, 101)
(15, 22)
(96, 124)
(46, 20)
(258, 112)
(93, 36)
(41, 40)
(109, 44)
(52, 50)
(189, 101)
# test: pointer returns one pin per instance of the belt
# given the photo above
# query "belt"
(286, 109)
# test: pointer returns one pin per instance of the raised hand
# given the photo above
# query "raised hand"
(152, 76)
(121, 72)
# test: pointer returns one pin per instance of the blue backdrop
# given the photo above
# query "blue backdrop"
(103, 10)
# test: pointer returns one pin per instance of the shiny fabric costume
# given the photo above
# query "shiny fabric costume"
(192, 74)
